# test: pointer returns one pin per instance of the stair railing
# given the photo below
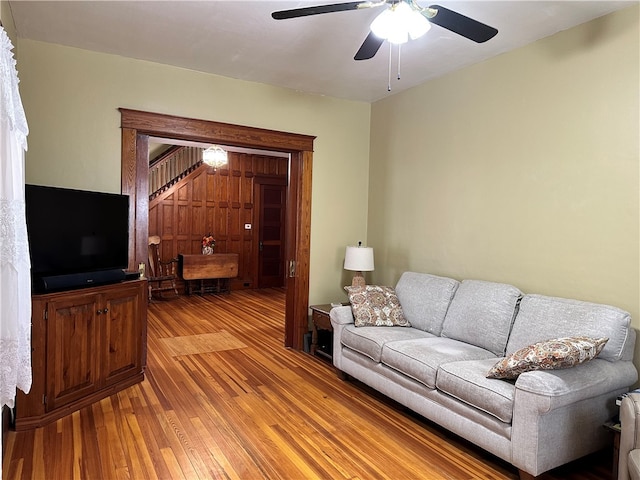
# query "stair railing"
(171, 166)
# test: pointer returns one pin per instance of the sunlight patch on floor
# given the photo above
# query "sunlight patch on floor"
(203, 343)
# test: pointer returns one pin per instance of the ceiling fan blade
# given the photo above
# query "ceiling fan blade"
(318, 9)
(369, 47)
(458, 23)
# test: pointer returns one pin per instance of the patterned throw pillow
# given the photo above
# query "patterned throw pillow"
(376, 306)
(548, 355)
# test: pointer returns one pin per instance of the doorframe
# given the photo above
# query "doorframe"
(136, 128)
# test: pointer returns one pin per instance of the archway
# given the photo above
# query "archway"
(137, 126)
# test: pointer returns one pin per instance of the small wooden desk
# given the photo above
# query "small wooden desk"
(614, 426)
(201, 268)
(321, 321)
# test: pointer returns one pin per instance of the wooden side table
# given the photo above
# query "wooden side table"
(198, 268)
(614, 426)
(321, 321)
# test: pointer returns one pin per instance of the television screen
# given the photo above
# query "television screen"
(76, 231)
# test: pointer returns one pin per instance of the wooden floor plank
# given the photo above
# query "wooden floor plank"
(222, 398)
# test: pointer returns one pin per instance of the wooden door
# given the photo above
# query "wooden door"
(72, 350)
(271, 232)
(122, 333)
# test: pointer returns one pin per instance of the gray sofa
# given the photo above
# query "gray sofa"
(438, 366)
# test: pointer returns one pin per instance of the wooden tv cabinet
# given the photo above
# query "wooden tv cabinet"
(87, 344)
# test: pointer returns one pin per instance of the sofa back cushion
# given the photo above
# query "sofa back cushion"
(543, 318)
(425, 299)
(481, 313)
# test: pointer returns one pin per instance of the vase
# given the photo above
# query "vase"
(207, 250)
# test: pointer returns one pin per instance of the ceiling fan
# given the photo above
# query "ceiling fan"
(400, 20)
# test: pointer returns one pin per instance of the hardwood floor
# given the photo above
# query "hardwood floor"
(222, 398)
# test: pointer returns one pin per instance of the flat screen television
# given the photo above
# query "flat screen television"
(76, 238)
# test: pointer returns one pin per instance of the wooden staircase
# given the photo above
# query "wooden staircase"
(171, 166)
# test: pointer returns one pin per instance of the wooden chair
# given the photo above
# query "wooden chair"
(162, 275)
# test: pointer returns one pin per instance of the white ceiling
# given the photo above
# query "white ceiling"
(239, 39)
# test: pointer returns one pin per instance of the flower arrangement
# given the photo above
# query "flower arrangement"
(208, 242)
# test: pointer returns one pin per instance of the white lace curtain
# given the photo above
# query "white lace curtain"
(15, 285)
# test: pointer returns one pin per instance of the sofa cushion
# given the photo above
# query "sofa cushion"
(370, 340)
(541, 318)
(481, 313)
(420, 358)
(549, 355)
(374, 305)
(425, 299)
(467, 382)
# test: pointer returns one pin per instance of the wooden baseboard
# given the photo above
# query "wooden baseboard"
(27, 423)
(6, 424)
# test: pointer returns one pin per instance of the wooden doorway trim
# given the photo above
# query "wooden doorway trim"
(137, 126)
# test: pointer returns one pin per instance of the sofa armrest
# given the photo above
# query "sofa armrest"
(558, 415)
(551, 389)
(340, 317)
(630, 434)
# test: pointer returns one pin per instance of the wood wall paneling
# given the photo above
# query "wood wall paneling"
(209, 202)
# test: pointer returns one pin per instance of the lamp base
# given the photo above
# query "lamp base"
(358, 280)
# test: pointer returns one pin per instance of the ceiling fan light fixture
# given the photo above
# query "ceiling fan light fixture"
(215, 156)
(399, 22)
(417, 25)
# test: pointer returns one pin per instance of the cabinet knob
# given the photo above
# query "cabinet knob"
(105, 310)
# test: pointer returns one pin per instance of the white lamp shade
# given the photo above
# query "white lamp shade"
(359, 259)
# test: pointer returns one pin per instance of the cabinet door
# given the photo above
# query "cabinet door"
(72, 350)
(122, 334)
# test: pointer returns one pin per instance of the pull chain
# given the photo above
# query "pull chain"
(390, 56)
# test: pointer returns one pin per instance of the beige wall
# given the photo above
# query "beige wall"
(7, 23)
(522, 169)
(71, 98)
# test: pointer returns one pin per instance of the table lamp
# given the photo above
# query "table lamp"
(358, 259)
